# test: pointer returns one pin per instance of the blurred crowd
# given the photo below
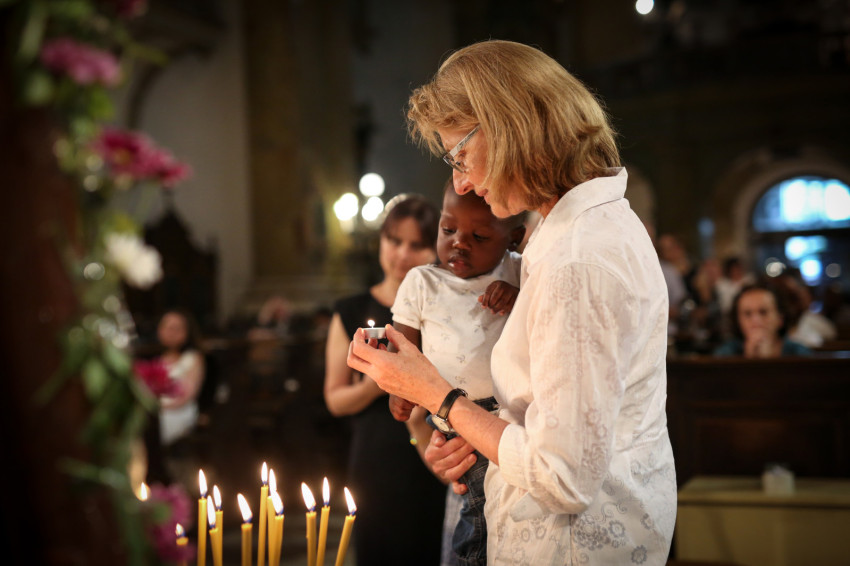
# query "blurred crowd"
(704, 294)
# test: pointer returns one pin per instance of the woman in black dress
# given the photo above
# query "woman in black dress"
(400, 503)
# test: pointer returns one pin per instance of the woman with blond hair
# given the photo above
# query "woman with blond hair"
(581, 464)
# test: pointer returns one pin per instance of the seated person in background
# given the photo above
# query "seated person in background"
(179, 338)
(805, 324)
(759, 327)
(272, 319)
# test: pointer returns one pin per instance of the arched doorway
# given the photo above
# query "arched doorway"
(803, 221)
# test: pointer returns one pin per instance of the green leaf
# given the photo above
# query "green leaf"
(95, 378)
(116, 360)
(37, 88)
(100, 105)
(71, 9)
(144, 396)
(92, 473)
(76, 347)
(33, 32)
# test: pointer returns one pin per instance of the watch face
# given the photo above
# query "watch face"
(441, 424)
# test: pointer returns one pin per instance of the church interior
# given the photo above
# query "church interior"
(284, 123)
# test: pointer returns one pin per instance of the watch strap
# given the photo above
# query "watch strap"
(450, 399)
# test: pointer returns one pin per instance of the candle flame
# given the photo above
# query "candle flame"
(179, 531)
(217, 498)
(326, 492)
(352, 508)
(143, 492)
(272, 482)
(278, 503)
(202, 482)
(264, 474)
(309, 500)
(210, 512)
(371, 323)
(243, 506)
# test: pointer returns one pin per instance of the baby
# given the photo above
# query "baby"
(454, 311)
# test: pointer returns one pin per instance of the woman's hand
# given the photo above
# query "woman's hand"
(449, 460)
(406, 373)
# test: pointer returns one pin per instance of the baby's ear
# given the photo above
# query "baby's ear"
(517, 234)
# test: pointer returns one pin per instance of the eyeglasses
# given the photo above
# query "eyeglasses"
(449, 156)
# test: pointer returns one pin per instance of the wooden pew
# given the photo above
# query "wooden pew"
(730, 416)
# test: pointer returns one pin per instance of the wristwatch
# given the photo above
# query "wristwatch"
(441, 417)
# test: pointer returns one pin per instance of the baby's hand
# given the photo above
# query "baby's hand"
(400, 408)
(499, 297)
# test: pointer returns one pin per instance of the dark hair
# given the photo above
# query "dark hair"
(729, 263)
(417, 207)
(193, 331)
(511, 221)
(780, 306)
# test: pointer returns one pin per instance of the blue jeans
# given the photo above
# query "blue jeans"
(470, 537)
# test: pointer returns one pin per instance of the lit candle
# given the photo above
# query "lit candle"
(214, 531)
(277, 504)
(202, 520)
(219, 522)
(143, 492)
(270, 514)
(346, 529)
(373, 332)
(264, 494)
(246, 529)
(323, 523)
(182, 541)
(310, 502)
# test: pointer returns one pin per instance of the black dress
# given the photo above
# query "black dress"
(400, 504)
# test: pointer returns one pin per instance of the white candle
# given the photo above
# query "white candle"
(373, 332)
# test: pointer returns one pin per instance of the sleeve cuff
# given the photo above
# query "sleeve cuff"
(510, 455)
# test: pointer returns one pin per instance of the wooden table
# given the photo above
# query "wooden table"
(732, 519)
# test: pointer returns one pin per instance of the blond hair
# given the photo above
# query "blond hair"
(545, 131)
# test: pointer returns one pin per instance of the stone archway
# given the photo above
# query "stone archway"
(746, 180)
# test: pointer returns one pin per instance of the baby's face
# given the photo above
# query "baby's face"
(471, 241)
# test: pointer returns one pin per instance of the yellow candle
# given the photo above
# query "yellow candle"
(323, 523)
(182, 540)
(264, 494)
(214, 532)
(346, 529)
(246, 529)
(310, 502)
(270, 514)
(202, 520)
(277, 504)
(219, 518)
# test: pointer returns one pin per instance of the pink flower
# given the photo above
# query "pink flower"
(162, 534)
(154, 374)
(83, 63)
(134, 155)
(168, 170)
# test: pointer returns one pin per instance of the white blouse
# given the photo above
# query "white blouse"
(585, 471)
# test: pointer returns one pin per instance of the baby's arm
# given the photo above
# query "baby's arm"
(401, 408)
(499, 297)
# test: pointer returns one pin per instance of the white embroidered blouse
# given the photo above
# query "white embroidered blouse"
(585, 471)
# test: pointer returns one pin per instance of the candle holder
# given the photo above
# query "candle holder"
(371, 332)
(379, 333)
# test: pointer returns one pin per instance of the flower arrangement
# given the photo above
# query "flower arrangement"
(66, 55)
